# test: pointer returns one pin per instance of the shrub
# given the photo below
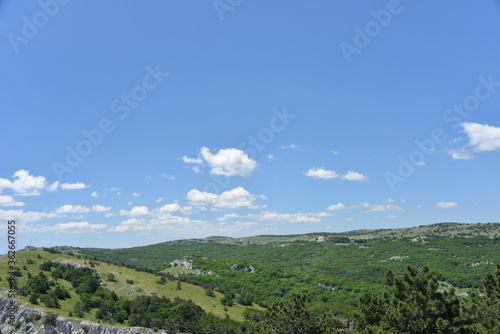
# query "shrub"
(50, 319)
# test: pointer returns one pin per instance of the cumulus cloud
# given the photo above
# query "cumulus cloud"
(6, 200)
(25, 184)
(100, 208)
(321, 173)
(95, 194)
(68, 208)
(136, 211)
(482, 138)
(353, 176)
(174, 207)
(338, 206)
(78, 227)
(235, 198)
(446, 205)
(229, 162)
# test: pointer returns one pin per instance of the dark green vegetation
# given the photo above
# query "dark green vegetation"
(357, 282)
(414, 305)
(335, 273)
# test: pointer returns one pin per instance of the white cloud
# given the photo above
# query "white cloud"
(100, 208)
(460, 154)
(338, 206)
(335, 152)
(6, 200)
(136, 195)
(72, 186)
(197, 169)
(78, 227)
(174, 207)
(26, 216)
(136, 211)
(159, 200)
(378, 208)
(482, 137)
(53, 186)
(353, 176)
(229, 162)
(228, 216)
(289, 217)
(113, 189)
(235, 198)
(68, 208)
(390, 200)
(237, 226)
(168, 177)
(271, 157)
(321, 173)
(289, 147)
(24, 184)
(192, 160)
(420, 164)
(392, 217)
(446, 205)
(172, 224)
(95, 194)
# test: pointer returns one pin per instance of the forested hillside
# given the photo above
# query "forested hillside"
(356, 282)
(335, 272)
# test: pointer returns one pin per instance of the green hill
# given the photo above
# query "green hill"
(334, 268)
(143, 284)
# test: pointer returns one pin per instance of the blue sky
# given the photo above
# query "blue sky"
(127, 123)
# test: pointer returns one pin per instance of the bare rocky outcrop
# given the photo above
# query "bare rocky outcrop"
(62, 326)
